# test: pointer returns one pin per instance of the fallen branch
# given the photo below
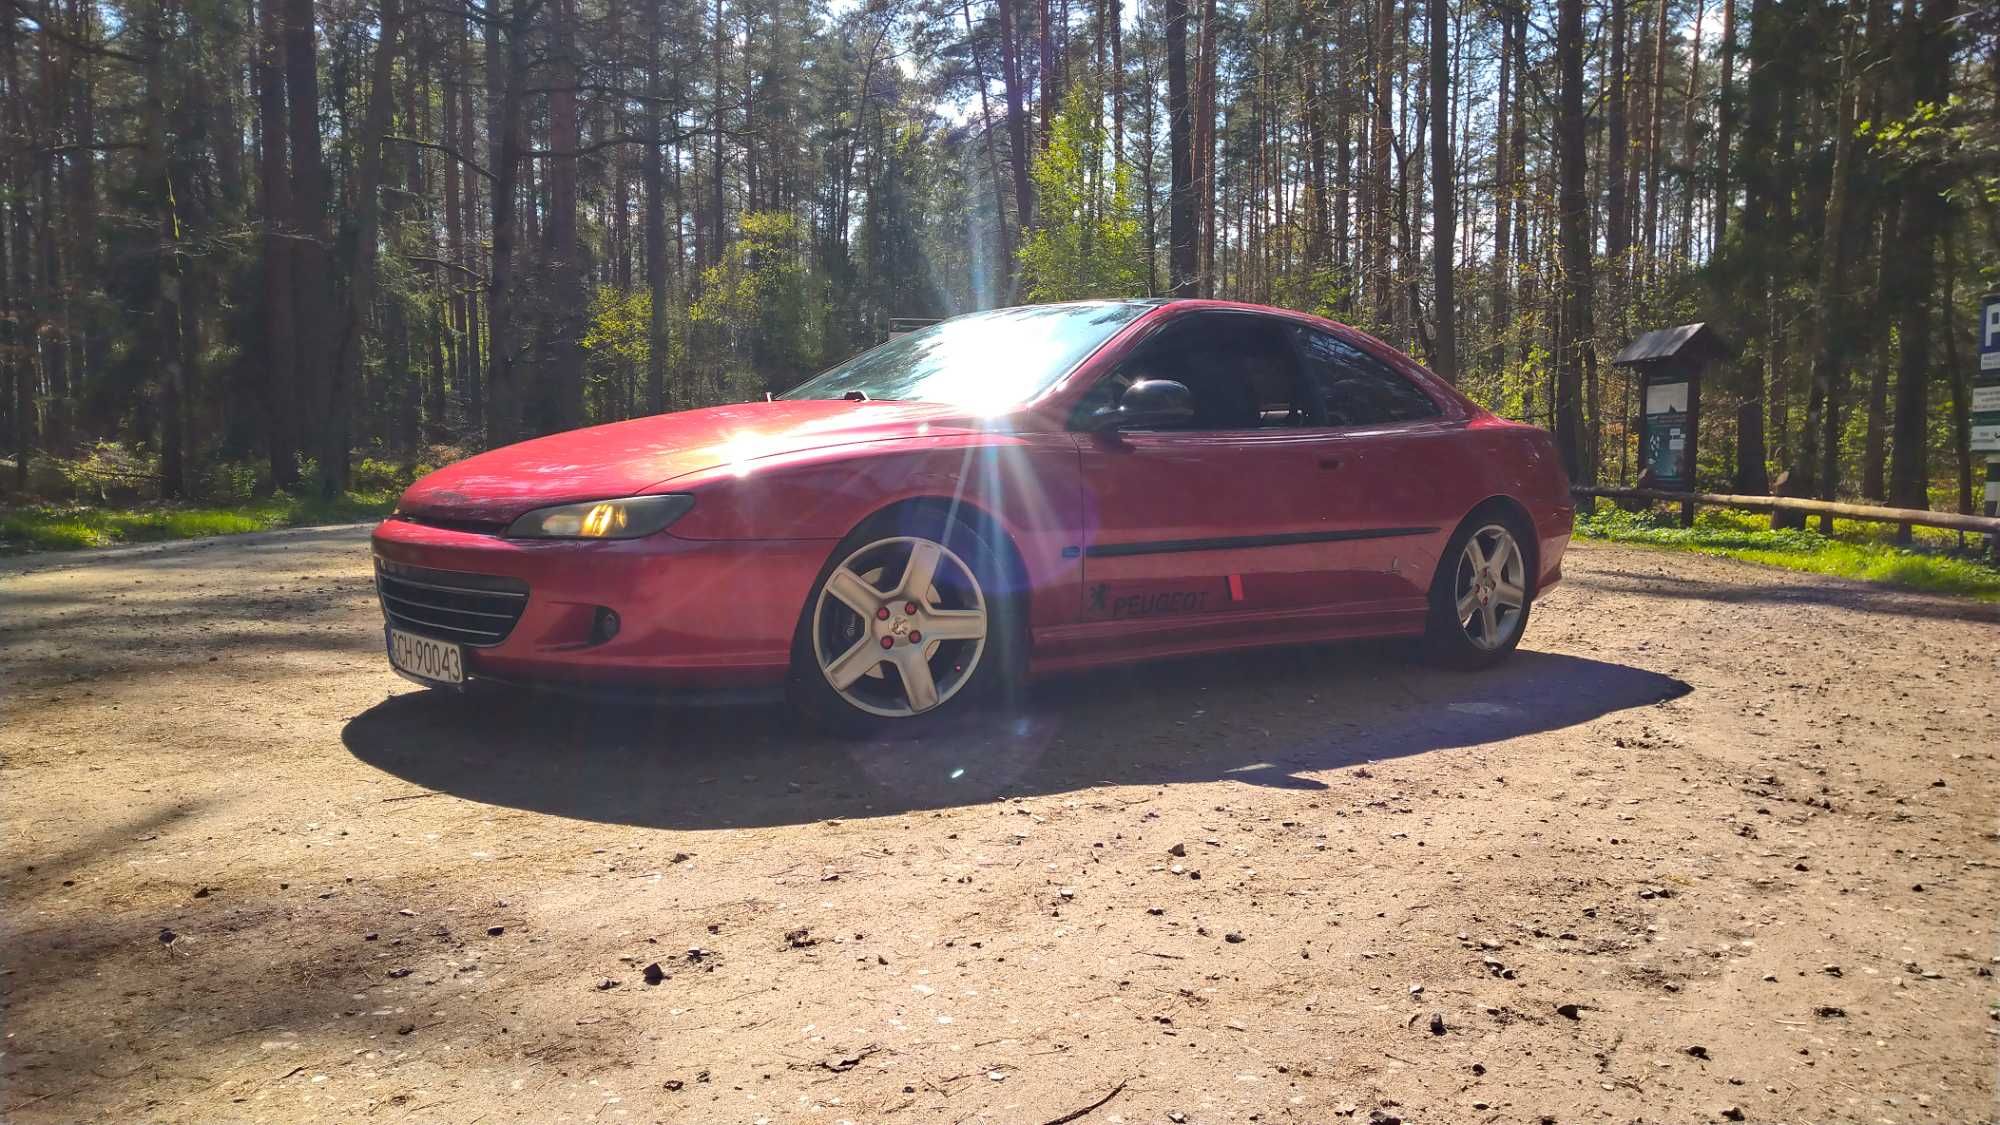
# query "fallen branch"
(409, 797)
(1066, 1118)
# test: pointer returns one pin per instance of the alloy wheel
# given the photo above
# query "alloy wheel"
(1491, 591)
(899, 626)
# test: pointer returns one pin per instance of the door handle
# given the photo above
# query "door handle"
(1329, 462)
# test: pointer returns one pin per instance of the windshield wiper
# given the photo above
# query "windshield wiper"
(855, 396)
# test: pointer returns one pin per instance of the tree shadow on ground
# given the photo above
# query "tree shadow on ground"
(1271, 719)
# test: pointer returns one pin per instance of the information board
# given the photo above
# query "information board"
(1663, 431)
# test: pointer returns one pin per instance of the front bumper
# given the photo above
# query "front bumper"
(694, 614)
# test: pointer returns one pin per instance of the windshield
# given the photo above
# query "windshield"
(982, 361)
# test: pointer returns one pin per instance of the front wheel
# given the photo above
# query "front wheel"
(1481, 595)
(910, 621)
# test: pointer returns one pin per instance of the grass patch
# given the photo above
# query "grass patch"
(68, 527)
(1856, 549)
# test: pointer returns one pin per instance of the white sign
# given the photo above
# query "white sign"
(1986, 398)
(1985, 439)
(1664, 397)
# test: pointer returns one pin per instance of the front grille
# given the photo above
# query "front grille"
(472, 609)
(476, 527)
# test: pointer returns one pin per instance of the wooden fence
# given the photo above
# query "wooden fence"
(1983, 525)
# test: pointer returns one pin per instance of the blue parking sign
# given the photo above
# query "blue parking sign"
(1989, 337)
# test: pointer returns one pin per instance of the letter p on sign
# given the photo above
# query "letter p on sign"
(1989, 336)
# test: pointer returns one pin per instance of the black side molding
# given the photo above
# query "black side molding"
(1240, 542)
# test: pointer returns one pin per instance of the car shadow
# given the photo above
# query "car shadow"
(1270, 718)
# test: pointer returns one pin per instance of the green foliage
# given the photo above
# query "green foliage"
(1321, 290)
(895, 269)
(758, 304)
(64, 527)
(620, 328)
(1854, 551)
(1086, 241)
(374, 475)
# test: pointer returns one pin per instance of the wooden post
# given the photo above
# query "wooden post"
(1688, 450)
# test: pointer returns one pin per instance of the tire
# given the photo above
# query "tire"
(863, 673)
(1479, 611)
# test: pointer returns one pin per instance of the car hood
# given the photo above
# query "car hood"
(627, 458)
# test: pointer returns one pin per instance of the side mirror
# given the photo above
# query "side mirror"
(1148, 404)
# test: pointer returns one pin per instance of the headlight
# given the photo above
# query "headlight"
(628, 518)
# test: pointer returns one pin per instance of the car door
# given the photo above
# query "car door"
(1386, 453)
(1218, 521)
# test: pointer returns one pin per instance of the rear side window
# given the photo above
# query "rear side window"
(1356, 388)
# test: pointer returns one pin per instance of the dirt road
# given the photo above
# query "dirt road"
(1724, 842)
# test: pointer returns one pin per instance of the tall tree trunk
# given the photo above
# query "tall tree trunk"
(1017, 125)
(1312, 121)
(1960, 375)
(1381, 221)
(453, 313)
(17, 298)
(315, 314)
(1618, 221)
(1875, 439)
(1784, 213)
(1046, 69)
(81, 193)
(1204, 157)
(565, 264)
(620, 249)
(166, 344)
(504, 62)
(1925, 213)
(473, 387)
(717, 219)
(1117, 83)
(279, 343)
(992, 150)
(1503, 204)
(1830, 323)
(1573, 223)
(1725, 125)
(51, 257)
(1444, 208)
(1690, 139)
(1181, 190)
(654, 185)
(368, 177)
(1753, 259)
(1885, 101)
(1655, 99)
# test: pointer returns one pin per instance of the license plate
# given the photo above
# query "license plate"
(432, 661)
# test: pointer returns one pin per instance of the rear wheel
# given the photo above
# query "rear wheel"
(909, 623)
(1482, 593)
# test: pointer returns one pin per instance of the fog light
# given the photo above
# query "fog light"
(604, 626)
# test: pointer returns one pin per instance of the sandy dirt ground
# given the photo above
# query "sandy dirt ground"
(1719, 844)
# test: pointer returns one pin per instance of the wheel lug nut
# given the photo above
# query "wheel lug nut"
(915, 636)
(888, 642)
(909, 607)
(882, 614)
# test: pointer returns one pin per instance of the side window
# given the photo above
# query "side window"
(1240, 369)
(1355, 388)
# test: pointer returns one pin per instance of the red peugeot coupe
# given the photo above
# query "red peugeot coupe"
(998, 496)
